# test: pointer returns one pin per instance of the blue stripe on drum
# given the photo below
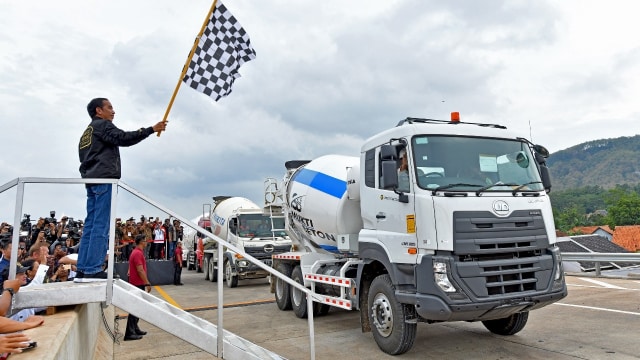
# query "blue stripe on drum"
(321, 182)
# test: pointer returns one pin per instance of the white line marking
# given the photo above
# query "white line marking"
(603, 284)
(600, 309)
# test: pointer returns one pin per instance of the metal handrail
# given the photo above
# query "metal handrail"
(600, 257)
(19, 183)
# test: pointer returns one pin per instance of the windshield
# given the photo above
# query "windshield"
(258, 225)
(460, 163)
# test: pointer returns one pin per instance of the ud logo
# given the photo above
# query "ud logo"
(501, 208)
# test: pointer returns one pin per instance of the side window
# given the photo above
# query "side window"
(403, 171)
(370, 168)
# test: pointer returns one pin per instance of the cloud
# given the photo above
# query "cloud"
(327, 76)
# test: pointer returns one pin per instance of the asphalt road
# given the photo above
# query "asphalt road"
(599, 319)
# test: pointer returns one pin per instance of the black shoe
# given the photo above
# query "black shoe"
(140, 332)
(87, 278)
(178, 284)
(132, 337)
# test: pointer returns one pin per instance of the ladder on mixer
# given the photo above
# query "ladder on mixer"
(150, 308)
(272, 201)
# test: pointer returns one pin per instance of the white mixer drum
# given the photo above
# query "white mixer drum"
(319, 206)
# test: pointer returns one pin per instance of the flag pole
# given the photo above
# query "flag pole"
(186, 64)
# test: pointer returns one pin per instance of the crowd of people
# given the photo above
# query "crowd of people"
(48, 251)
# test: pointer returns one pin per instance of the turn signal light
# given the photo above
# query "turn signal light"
(412, 251)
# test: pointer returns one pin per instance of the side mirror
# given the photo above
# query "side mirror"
(389, 175)
(545, 176)
(541, 150)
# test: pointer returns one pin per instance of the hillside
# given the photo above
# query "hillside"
(604, 162)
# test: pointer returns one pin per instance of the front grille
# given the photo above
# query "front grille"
(497, 256)
(260, 253)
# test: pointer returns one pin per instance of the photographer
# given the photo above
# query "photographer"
(36, 229)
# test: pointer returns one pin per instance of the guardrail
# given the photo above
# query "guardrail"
(19, 183)
(601, 257)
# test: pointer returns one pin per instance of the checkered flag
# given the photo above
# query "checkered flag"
(222, 49)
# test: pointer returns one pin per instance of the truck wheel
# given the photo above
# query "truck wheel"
(298, 298)
(509, 325)
(205, 265)
(283, 290)
(231, 280)
(387, 316)
(212, 271)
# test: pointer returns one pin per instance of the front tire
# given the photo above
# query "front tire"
(231, 280)
(283, 290)
(393, 334)
(509, 325)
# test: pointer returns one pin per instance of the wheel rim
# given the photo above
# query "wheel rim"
(227, 271)
(296, 295)
(382, 314)
(280, 288)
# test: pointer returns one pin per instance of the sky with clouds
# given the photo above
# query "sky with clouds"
(328, 75)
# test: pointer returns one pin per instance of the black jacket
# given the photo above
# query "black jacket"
(99, 148)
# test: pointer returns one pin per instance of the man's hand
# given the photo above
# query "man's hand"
(13, 284)
(161, 126)
(34, 321)
(13, 343)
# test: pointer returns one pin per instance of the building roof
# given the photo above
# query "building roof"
(588, 230)
(628, 237)
(592, 243)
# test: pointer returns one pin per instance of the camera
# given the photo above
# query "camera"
(51, 218)
(74, 228)
(25, 224)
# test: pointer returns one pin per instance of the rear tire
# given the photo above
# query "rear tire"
(212, 271)
(509, 325)
(387, 317)
(298, 298)
(282, 288)
(205, 265)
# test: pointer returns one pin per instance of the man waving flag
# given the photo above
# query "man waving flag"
(222, 48)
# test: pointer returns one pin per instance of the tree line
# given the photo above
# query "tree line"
(578, 207)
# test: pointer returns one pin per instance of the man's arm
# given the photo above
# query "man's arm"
(143, 276)
(8, 326)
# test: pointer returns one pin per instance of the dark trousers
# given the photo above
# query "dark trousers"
(177, 273)
(132, 321)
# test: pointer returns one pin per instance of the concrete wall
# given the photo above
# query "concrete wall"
(73, 332)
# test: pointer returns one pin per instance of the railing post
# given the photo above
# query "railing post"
(112, 235)
(312, 341)
(220, 328)
(15, 239)
(597, 268)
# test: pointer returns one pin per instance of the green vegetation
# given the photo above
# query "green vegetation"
(596, 175)
(577, 207)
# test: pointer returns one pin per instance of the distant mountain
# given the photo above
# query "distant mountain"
(604, 162)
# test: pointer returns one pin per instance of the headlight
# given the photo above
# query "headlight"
(441, 277)
(243, 263)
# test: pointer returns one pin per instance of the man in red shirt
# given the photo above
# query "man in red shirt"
(137, 277)
(177, 264)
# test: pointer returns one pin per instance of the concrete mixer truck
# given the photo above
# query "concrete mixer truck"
(260, 232)
(436, 221)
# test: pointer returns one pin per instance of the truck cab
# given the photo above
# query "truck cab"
(473, 223)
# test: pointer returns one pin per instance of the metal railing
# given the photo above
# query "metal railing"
(20, 182)
(600, 258)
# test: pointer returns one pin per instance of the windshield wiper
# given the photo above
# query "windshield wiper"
(523, 185)
(449, 186)
(485, 188)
